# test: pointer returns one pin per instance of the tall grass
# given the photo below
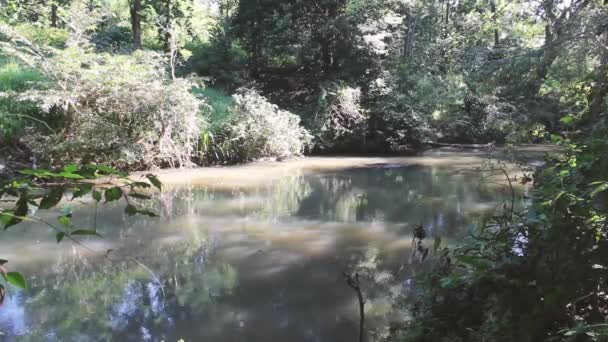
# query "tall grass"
(14, 115)
(213, 148)
(14, 77)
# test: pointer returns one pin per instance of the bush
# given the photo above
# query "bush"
(115, 109)
(258, 129)
(14, 78)
(479, 120)
(340, 118)
(50, 36)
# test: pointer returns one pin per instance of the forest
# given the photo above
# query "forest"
(104, 88)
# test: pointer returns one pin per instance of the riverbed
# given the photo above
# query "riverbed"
(255, 252)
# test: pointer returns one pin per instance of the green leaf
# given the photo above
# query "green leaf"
(52, 199)
(154, 180)
(601, 187)
(147, 213)
(140, 196)
(85, 232)
(60, 236)
(16, 279)
(437, 243)
(3, 261)
(70, 175)
(97, 196)
(20, 211)
(567, 120)
(70, 168)
(140, 185)
(38, 173)
(82, 190)
(474, 262)
(113, 194)
(131, 210)
(5, 217)
(65, 221)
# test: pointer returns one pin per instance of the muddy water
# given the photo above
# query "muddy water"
(249, 253)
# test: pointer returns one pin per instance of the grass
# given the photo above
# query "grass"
(221, 106)
(14, 77)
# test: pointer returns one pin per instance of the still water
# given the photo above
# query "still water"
(248, 253)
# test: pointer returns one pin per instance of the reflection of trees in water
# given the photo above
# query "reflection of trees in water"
(90, 298)
(434, 197)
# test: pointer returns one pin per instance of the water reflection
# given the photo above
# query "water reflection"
(261, 263)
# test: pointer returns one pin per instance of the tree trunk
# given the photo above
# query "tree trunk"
(136, 22)
(495, 18)
(597, 97)
(54, 18)
(408, 45)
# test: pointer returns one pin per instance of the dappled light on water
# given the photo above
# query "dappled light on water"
(252, 253)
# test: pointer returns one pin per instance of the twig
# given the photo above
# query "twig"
(355, 284)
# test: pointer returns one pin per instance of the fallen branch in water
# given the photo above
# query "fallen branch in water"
(355, 284)
(464, 146)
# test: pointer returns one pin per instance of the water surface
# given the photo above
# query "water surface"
(248, 253)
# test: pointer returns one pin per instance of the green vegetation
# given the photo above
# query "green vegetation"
(145, 84)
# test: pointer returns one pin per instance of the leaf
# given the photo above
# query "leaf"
(567, 120)
(85, 232)
(476, 263)
(82, 190)
(140, 185)
(3, 261)
(154, 180)
(97, 196)
(60, 236)
(140, 196)
(52, 199)
(131, 210)
(601, 187)
(70, 175)
(65, 221)
(437, 243)
(113, 194)
(20, 211)
(40, 173)
(16, 279)
(147, 213)
(5, 218)
(70, 168)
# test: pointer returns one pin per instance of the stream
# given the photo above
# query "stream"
(251, 253)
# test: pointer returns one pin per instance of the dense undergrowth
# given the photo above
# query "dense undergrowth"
(79, 84)
(182, 83)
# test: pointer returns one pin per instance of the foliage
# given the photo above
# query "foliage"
(340, 119)
(259, 129)
(39, 189)
(14, 115)
(117, 109)
(539, 275)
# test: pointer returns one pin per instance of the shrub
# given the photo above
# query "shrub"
(118, 109)
(14, 78)
(50, 36)
(479, 120)
(260, 129)
(340, 117)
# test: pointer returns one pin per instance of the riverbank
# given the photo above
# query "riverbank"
(452, 158)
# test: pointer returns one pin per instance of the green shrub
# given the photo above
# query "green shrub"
(340, 118)
(15, 77)
(115, 109)
(256, 129)
(14, 115)
(46, 36)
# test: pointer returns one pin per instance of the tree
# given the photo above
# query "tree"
(135, 11)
